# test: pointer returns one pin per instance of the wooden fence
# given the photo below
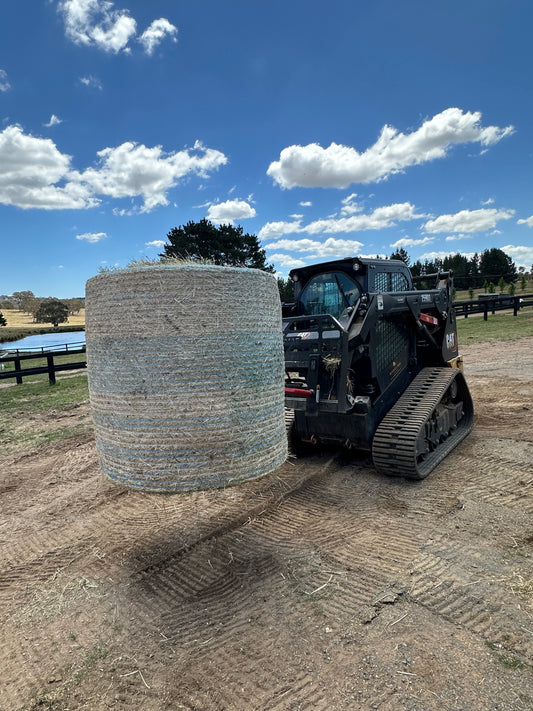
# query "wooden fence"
(492, 303)
(18, 357)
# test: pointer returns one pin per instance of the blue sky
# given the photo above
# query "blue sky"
(328, 129)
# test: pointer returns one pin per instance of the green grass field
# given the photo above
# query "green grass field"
(25, 399)
(500, 327)
(30, 412)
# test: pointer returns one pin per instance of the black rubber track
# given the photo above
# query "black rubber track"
(394, 448)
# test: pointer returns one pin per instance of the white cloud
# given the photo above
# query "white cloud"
(91, 81)
(410, 242)
(373, 256)
(307, 203)
(489, 201)
(156, 33)
(339, 166)
(4, 82)
(528, 221)
(230, 211)
(468, 221)
(132, 169)
(157, 243)
(32, 172)
(521, 255)
(455, 238)
(96, 23)
(431, 256)
(273, 230)
(349, 206)
(35, 174)
(124, 212)
(294, 245)
(380, 218)
(92, 237)
(331, 248)
(54, 121)
(286, 261)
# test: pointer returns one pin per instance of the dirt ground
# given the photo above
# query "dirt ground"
(321, 587)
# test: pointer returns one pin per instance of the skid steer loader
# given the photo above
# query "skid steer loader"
(373, 364)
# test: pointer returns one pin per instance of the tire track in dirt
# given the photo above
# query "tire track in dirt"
(203, 603)
(466, 583)
(103, 522)
(103, 528)
(470, 604)
(453, 601)
(208, 601)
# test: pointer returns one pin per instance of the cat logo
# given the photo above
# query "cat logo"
(450, 341)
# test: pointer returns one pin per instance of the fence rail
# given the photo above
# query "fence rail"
(492, 303)
(42, 350)
(51, 366)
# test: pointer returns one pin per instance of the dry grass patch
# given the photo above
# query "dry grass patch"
(521, 586)
(56, 595)
(19, 319)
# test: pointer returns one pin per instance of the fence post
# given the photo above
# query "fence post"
(17, 368)
(516, 305)
(51, 371)
(485, 312)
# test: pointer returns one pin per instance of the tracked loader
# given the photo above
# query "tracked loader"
(372, 363)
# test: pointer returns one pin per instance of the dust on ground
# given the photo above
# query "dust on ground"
(321, 586)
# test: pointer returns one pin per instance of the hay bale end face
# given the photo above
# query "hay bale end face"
(186, 375)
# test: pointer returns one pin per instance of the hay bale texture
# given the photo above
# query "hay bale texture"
(186, 375)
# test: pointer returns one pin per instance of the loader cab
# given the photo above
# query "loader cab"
(335, 288)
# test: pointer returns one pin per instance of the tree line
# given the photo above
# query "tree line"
(489, 267)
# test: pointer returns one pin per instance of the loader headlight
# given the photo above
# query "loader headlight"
(356, 265)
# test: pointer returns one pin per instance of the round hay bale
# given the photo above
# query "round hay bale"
(186, 375)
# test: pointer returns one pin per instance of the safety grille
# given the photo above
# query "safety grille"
(390, 281)
(392, 348)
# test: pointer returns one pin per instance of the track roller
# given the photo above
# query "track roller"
(430, 418)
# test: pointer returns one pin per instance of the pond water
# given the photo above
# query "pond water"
(47, 341)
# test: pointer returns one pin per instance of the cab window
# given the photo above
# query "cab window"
(332, 293)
